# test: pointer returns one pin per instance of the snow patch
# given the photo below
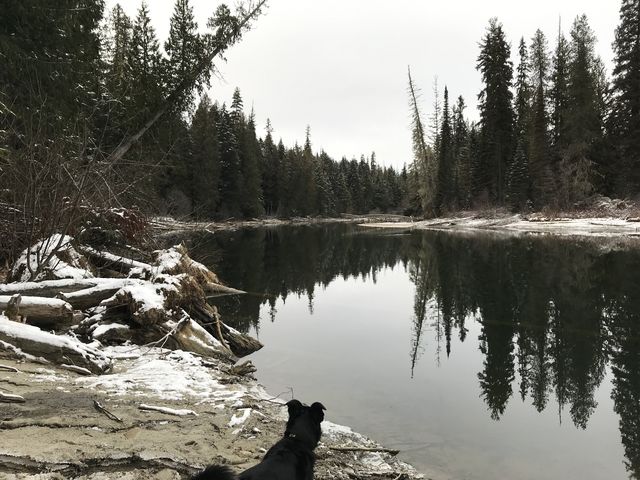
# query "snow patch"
(64, 260)
(100, 330)
(240, 419)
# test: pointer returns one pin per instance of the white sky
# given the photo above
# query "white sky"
(340, 66)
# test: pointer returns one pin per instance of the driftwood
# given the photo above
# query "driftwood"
(10, 398)
(164, 306)
(98, 406)
(366, 449)
(241, 345)
(75, 369)
(194, 338)
(103, 259)
(51, 288)
(37, 309)
(56, 349)
(6, 368)
(89, 297)
(169, 411)
(218, 290)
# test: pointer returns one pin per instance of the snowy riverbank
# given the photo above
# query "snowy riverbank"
(206, 415)
(517, 224)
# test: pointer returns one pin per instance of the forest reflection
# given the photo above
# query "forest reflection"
(554, 314)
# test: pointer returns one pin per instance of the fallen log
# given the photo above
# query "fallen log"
(37, 310)
(54, 348)
(218, 290)
(107, 260)
(192, 337)
(240, 344)
(89, 297)
(51, 288)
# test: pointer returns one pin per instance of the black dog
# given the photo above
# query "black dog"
(291, 458)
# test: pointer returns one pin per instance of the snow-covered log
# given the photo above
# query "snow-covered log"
(50, 259)
(54, 348)
(51, 288)
(90, 297)
(107, 260)
(192, 337)
(47, 288)
(176, 261)
(37, 309)
(241, 345)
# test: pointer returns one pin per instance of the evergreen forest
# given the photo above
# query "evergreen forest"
(553, 131)
(97, 112)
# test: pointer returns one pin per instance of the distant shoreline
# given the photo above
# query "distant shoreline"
(517, 224)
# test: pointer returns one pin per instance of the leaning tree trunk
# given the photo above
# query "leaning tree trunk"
(230, 33)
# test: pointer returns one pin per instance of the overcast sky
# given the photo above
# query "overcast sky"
(340, 66)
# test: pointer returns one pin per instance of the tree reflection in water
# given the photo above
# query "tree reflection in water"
(554, 313)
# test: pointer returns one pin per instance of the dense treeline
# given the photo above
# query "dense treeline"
(233, 173)
(78, 82)
(551, 134)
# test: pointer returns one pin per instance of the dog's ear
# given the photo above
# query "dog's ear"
(294, 407)
(317, 410)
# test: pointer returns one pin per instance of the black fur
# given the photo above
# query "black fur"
(291, 458)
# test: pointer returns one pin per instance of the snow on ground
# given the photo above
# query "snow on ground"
(516, 224)
(170, 375)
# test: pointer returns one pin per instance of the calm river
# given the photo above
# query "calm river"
(479, 357)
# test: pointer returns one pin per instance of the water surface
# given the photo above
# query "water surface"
(479, 357)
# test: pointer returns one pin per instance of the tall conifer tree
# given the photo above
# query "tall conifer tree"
(540, 165)
(496, 112)
(625, 119)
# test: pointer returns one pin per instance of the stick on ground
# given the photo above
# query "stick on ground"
(366, 449)
(98, 406)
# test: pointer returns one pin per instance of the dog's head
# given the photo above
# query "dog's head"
(304, 422)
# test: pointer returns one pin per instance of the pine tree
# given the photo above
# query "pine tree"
(445, 186)
(117, 46)
(540, 165)
(145, 67)
(184, 48)
(560, 96)
(204, 170)
(518, 179)
(625, 119)
(230, 167)
(523, 92)
(584, 118)
(270, 172)
(461, 155)
(496, 113)
(251, 175)
(307, 199)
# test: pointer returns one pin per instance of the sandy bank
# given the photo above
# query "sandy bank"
(58, 433)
